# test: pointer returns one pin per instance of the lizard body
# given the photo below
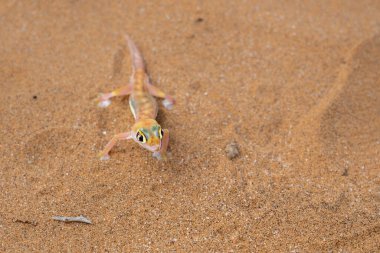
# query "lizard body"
(146, 131)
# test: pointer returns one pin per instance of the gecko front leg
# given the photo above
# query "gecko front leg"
(123, 136)
(168, 101)
(104, 99)
(161, 154)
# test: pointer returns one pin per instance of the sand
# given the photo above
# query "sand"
(295, 84)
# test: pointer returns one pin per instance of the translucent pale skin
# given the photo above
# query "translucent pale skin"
(146, 131)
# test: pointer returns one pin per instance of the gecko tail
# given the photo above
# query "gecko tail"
(137, 59)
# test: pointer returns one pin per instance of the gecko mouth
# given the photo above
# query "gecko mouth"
(154, 148)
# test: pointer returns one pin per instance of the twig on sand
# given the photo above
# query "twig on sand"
(34, 223)
(80, 218)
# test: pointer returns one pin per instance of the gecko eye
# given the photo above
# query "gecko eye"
(140, 137)
(161, 133)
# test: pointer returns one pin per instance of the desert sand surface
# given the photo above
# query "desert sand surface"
(296, 84)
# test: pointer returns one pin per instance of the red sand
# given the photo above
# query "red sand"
(295, 84)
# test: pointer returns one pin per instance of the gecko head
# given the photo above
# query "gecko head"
(148, 134)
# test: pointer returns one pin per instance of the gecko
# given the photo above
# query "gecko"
(146, 131)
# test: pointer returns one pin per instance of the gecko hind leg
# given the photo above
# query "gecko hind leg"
(104, 99)
(104, 153)
(168, 101)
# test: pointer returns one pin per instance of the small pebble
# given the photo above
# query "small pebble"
(199, 20)
(232, 150)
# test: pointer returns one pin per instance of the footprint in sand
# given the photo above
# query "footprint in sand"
(42, 146)
(347, 119)
(350, 125)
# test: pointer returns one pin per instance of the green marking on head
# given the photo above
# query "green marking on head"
(145, 131)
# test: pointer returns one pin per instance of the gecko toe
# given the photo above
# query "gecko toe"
(160, 156)
(104, 103)
(167, 104)
(104, 158)
(157, 155)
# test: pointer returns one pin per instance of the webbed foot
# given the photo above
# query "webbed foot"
(168, 104)
(103, 100)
